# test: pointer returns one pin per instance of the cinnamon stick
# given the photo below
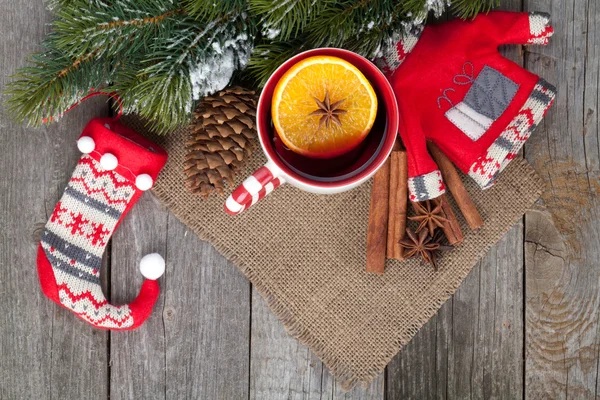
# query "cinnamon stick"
(451, 228)
(454, 183)
(378, 220)
(398, 202)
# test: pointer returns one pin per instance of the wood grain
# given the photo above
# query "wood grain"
(213, 337)
(473, 347)
(206, 320)
(195, 344)
(465, 351)
(137, 358)
(563, 245)
(42, 345)
(45, 351)
(283, 368)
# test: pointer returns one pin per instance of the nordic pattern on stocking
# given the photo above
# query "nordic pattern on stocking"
(76, 235)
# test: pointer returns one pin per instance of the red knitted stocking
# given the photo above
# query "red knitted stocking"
(118, 164)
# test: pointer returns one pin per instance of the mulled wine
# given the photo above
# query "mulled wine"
(340, 167)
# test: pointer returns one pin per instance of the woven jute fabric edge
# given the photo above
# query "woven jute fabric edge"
(295, 328)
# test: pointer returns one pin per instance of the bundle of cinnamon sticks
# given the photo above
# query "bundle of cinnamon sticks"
(389, 207)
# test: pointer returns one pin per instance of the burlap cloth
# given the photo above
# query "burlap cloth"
(305, 254)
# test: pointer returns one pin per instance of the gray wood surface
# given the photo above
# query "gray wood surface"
(473, 348)
(524, 324)
(282, 368)
(44, 352)
(562, 241)
(196, 342)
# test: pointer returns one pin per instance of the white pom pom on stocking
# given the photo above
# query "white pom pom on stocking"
(86, 144)
(143, 182)
(116, 166)
(109, 162)
(152, 266)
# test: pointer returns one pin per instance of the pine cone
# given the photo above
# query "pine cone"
(222, 136)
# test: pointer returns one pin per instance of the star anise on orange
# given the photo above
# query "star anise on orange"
(429, 215)
(328, 111)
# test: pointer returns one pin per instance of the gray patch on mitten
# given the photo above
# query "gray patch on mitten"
(491, 93)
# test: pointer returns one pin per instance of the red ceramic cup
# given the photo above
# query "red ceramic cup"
(319, 176)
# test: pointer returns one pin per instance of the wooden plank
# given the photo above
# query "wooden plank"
(79, 351)
(473, 347)
(137, 358)
(195, 344)
(498, 356)
(420, 369)
(283, 368)
(563, 246)
(206, 320)
(42, 345)
(46, 352)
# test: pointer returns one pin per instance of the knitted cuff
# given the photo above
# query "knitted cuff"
(395, 54)
(505, 148)
(539, 28)
(426, 187)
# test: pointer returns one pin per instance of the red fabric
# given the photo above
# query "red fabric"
(136, 154)
(437, 58)
(46, 276)
(141, 307)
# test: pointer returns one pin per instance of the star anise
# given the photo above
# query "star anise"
(440, 239)
(429, 215)
(420, 246)
(328, 111)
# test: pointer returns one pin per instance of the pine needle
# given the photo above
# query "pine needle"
(161, 55)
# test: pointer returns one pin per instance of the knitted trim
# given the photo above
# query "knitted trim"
(505, 148)
(539, 28)
(76, 235)
(395, 54)
(426, 187)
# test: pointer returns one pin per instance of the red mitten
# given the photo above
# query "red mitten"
(454, 88)
(117, 166)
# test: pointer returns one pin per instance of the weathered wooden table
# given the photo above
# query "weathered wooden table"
(523, 324)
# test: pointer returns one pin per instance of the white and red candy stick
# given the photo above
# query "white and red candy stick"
(262, 182)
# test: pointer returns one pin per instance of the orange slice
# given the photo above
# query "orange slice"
(323, 107)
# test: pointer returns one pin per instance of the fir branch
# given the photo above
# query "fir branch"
(284, 19)
(164, 87)
(106, 26)
(340, 18)
(75, 64)
(52, 83)
(110, 29)
(211, 9)
(267, 57)
(384, 23)
(187, 41)
(165, 101)
(54, 5)
(191, 44)
(470, 8)
(161, 55)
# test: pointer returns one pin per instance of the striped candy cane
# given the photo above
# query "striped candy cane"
(262, 182)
